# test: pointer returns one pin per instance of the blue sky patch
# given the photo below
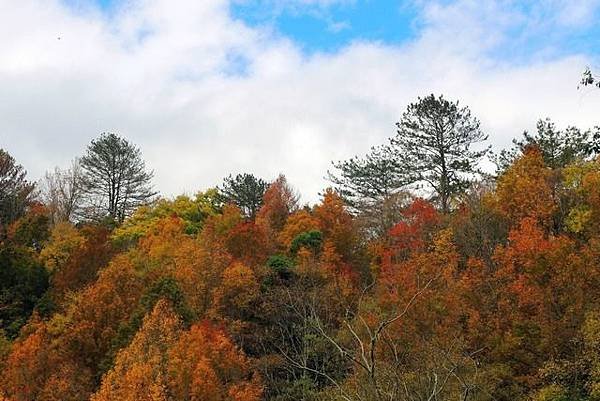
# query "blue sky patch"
(539, 34)
(328, 28)
(106, 4)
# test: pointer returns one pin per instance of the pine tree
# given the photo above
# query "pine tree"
(114, 179)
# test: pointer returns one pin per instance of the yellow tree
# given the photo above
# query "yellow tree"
(238, 290)
(582, 182)
(64, 240)
(297, 223)
(165, 363)
(336, 223)
(204, 364)
(525, 189)
(141, 370)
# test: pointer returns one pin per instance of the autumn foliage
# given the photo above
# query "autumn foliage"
(191, 299)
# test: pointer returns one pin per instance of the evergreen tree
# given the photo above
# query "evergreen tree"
(589, 78)
(114, 178)
(559, 147)
(371, 179)
(433, 143)
(245, 191)
(15, 191)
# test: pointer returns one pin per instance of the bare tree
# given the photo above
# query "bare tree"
(62, 192)
(383, 368)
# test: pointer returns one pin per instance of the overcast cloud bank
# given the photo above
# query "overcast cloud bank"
(205, 95)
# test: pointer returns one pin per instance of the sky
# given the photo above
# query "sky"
(206, 88)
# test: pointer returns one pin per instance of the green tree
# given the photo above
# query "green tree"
(16, 192)
(589, 78)
(559, 147)
(369, 180)
(114, 178)
(23, 282)
(433, 144)
(374, 187)
(312, 240)
(245, 191)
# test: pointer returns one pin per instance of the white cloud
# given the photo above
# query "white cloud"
(204, 95)
(575, 12)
